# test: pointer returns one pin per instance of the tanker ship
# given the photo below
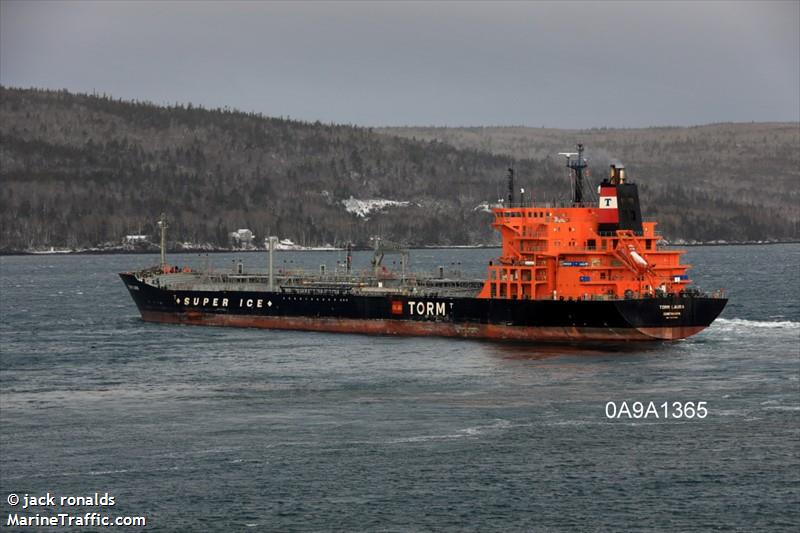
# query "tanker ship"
(579, 271)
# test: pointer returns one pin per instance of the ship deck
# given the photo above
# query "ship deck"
(302, 282)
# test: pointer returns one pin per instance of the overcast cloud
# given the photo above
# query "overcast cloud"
(564, 64)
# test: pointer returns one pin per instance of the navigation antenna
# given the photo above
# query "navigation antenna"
(510, 187)
(162, 223)
(576, 165)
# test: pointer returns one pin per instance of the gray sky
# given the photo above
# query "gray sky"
(559, 64)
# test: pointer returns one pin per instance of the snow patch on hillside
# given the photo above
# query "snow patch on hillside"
(487, 207)
(362, 208)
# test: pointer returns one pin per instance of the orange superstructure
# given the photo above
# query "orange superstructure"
(583, 252)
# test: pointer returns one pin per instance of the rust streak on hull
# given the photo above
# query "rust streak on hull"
(671, 333)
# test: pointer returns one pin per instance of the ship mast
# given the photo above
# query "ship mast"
(162, 223)
(271, 242)
(576, 165)
(511, 187)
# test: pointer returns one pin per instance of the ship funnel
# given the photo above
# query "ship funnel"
(617, 173)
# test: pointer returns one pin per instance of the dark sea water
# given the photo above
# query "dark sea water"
(204, 429)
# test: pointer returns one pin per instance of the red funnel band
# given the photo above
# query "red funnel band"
(608, 206)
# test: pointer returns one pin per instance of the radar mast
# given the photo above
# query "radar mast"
(576, 164)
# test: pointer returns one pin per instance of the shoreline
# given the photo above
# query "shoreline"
(355, 249)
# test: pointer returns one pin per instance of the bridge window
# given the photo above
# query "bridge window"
(591, 244)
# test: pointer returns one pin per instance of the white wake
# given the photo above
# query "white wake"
(741, 323)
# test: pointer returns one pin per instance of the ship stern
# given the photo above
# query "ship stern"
(671, 318)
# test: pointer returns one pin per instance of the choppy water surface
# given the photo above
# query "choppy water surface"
(225, 429)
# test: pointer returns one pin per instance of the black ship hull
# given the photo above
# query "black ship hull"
(667, 318)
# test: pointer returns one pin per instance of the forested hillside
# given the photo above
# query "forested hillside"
(82, 170)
